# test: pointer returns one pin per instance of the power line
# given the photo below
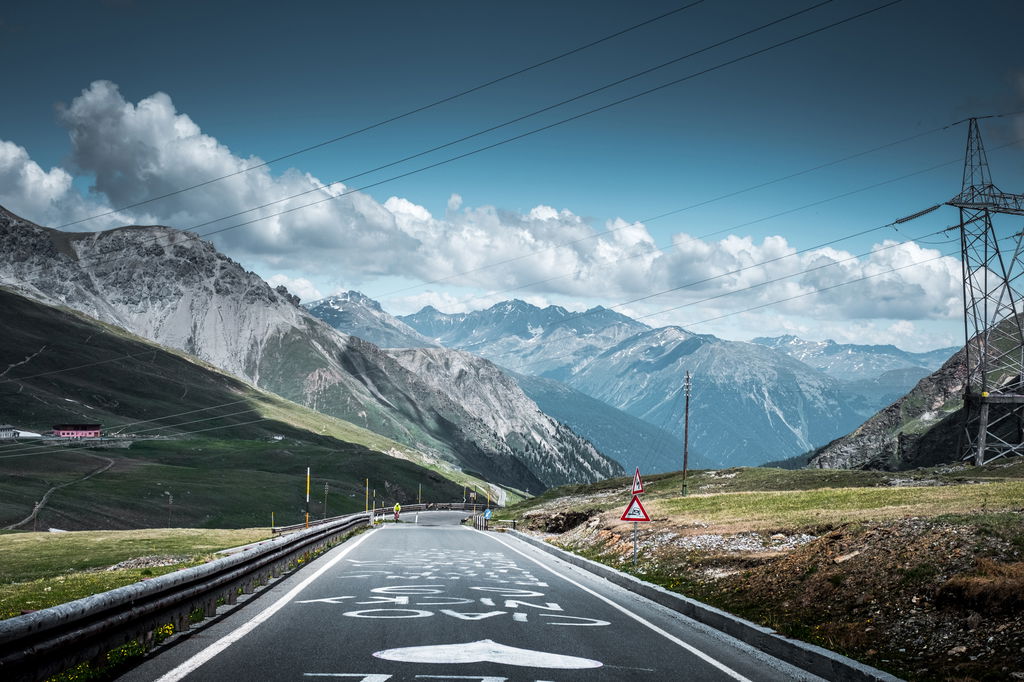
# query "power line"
(785, 277)
(84, 447)
(777, 302)
(195, 421)
(536, 112)
(689, 239)
(392, 119)
(530, 132)
(721, 275)
(828, 288)
(146, 421)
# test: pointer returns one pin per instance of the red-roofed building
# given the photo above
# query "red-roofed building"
(77, 430)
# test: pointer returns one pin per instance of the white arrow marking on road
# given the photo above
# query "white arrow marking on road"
(325, 600)
(486, 651)
(471, 616)
(670, 637)
(588, 622)
(389, 613)
(515, 603)
(363, 678)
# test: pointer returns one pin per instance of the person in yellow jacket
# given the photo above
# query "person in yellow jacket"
(398, 509)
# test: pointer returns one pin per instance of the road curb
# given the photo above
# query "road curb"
(814, 659)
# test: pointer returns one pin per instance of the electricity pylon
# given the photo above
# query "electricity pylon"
(994, 391)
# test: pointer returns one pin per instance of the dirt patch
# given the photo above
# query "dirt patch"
(559, 522)
(925, 599)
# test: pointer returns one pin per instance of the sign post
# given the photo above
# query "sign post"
(635, 512)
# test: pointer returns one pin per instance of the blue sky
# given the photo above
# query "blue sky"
(257, 80)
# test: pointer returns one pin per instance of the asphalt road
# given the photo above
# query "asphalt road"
(437, 601)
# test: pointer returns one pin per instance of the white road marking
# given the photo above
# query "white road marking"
(224, 642)
(363, 678)
(486, 651)
(672, 638)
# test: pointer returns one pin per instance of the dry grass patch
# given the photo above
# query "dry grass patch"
(996, 585)
(746, 511)
(30, 556)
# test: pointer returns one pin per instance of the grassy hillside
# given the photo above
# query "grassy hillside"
(38, 570)
(207, 483)
(895, 569)
(232, 454)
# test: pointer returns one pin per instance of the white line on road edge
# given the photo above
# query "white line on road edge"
(672, 638)
(224, 642)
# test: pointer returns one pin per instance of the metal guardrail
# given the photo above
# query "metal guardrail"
(480, 523)
(388, 511)
(38, 645)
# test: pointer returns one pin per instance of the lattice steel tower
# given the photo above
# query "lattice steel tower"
(994, 392)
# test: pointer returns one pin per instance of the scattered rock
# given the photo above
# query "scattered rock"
(148, 562)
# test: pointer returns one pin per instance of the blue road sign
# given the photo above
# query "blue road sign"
(487, 514)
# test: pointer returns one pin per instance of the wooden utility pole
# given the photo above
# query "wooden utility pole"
(686, 433)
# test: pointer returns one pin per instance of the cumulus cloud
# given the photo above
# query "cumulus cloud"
(44, 197)
(300, 286)
(148, 149)
(139, 150)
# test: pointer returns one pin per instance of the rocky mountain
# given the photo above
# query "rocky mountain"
(546, 342)
(852, 362)
(919, 429)
(227, 449)
(176, 289)
(751, 403)
(628, 440)
(354, 313)
(549, 449)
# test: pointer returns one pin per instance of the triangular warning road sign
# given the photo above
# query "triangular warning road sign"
(638, 484)
(635, 511)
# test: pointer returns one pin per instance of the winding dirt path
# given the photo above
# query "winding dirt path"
(42, 503)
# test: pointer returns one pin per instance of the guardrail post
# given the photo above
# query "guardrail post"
(181, 621)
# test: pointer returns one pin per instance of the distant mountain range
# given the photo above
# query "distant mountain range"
(857, 362)
(752, 402)
(176, 289)
(627, 439)
(433, 381)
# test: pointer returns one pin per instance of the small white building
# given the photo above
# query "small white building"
(8, 432)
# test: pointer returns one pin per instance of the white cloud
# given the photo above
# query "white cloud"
(136, 151)
(44, 197)
(300, 286)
